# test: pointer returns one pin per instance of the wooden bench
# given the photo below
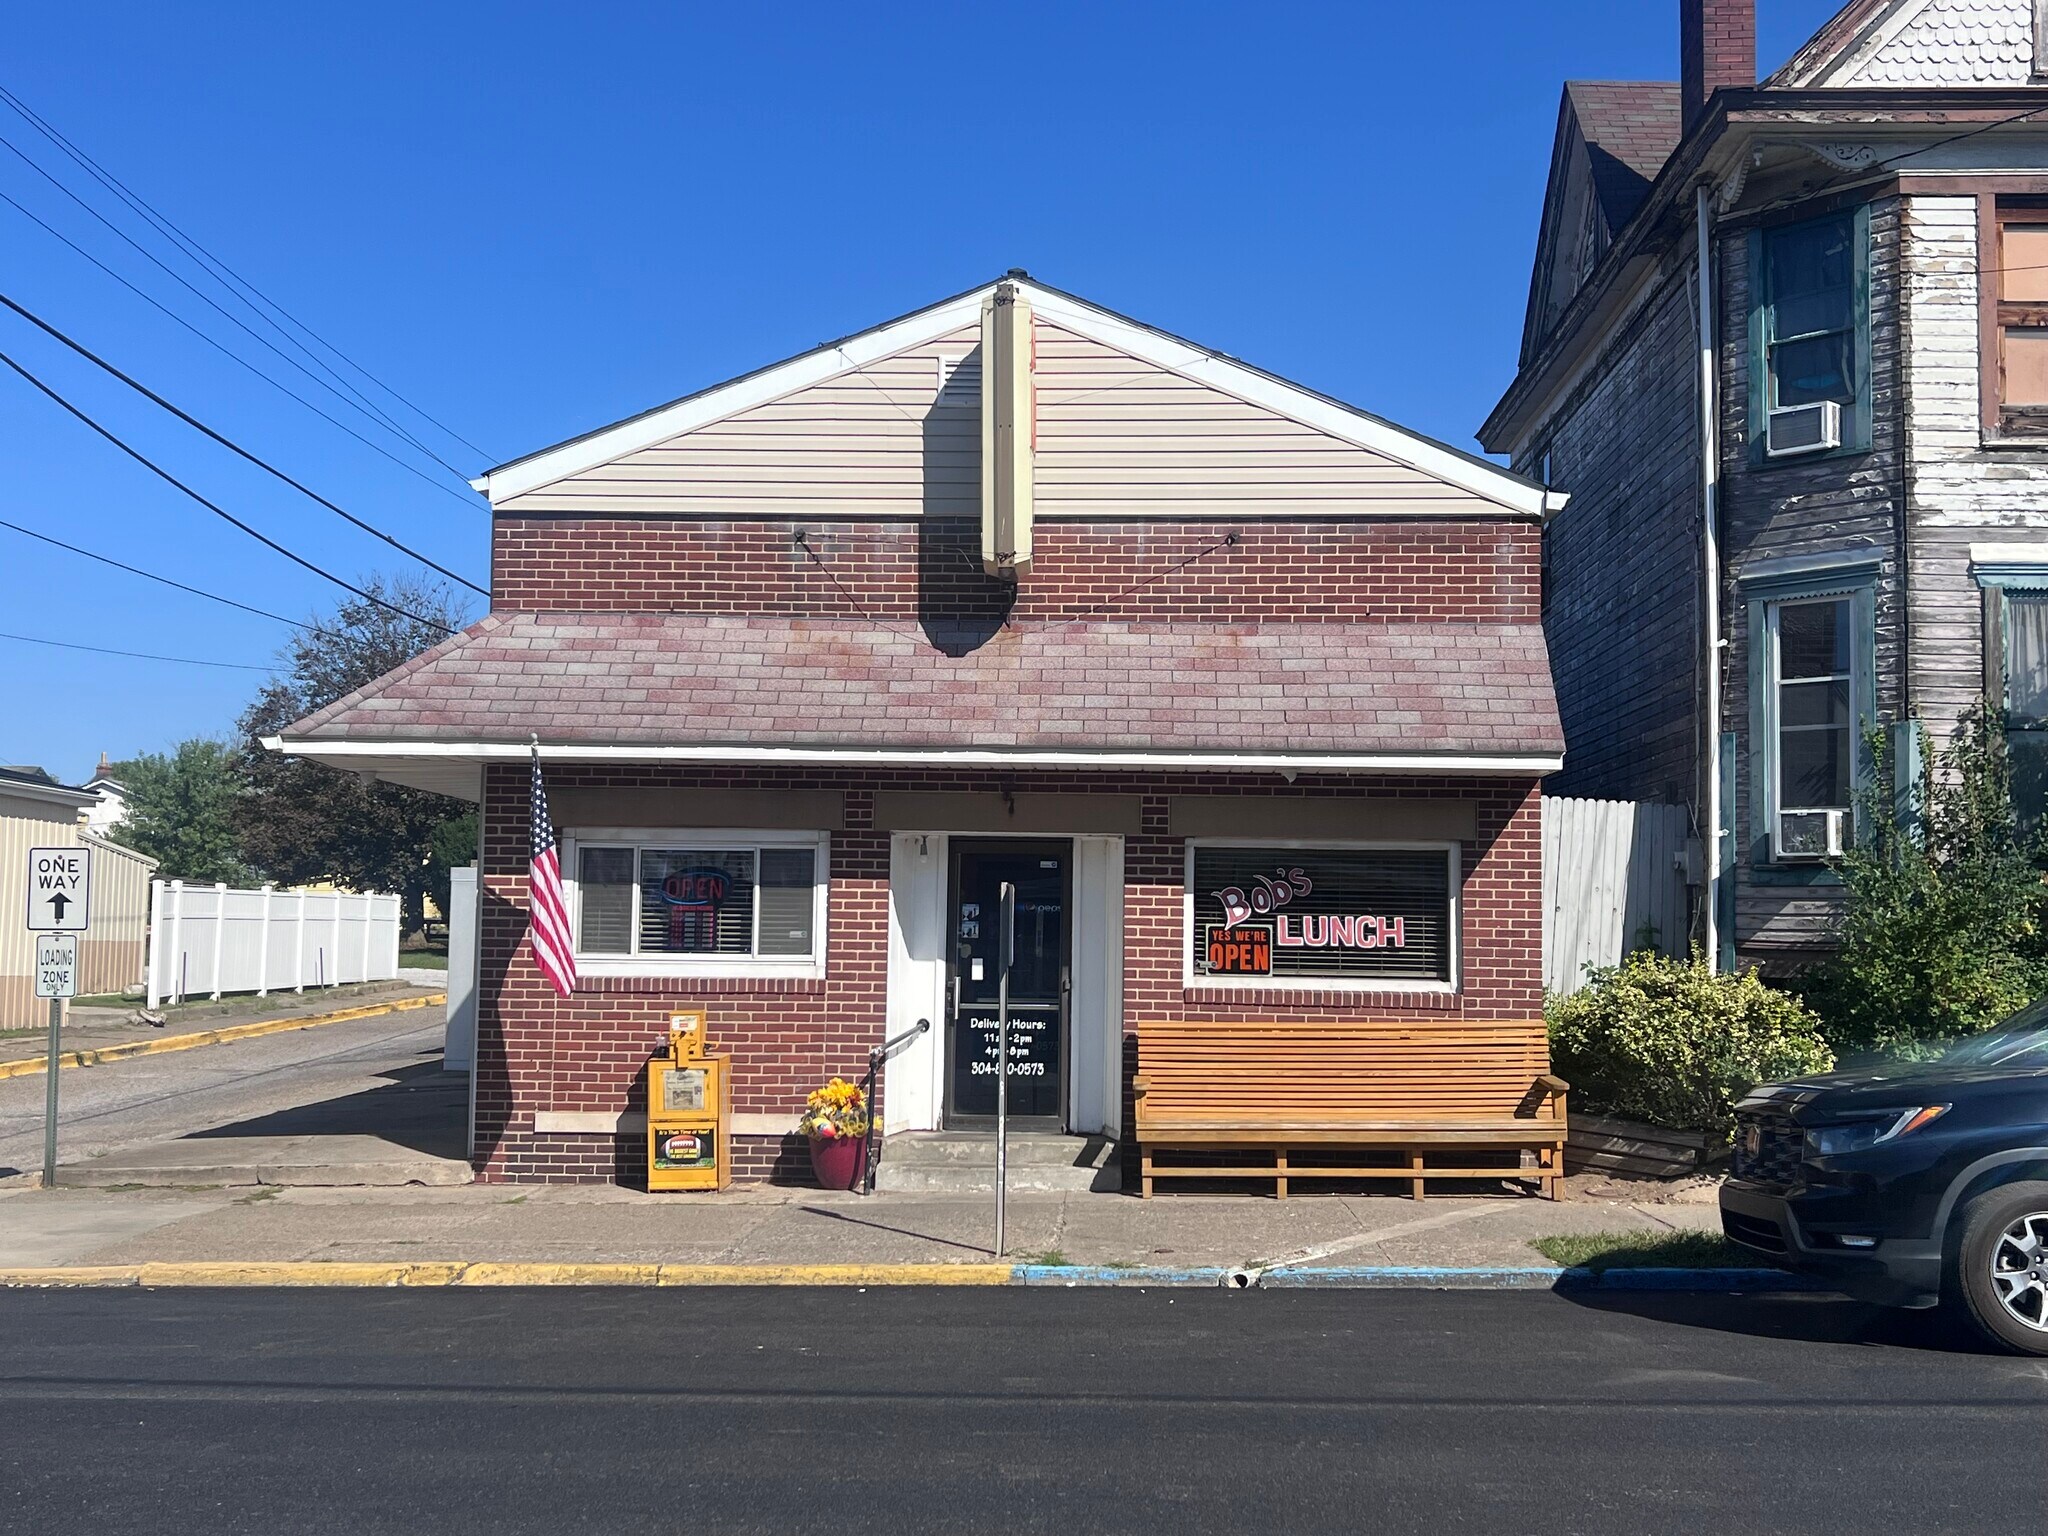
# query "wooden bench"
(1406, 1089)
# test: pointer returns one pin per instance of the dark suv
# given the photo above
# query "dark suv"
(1910, 1183)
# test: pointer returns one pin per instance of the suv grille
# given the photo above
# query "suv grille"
(1753, 1232)
(1767, 1149)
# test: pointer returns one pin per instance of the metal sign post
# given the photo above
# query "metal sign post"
(56, 979)
(1006, 952)
(59, 909)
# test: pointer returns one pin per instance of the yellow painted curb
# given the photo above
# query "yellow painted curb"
(445, 1272)
(558, 1274)
(836, 1274)
(336, 1273)
(222, 1036)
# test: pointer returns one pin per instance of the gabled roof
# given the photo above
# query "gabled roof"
(1613, 137)
(1630, 128)
(34, 784)
(1347, 423)
(1917, 43)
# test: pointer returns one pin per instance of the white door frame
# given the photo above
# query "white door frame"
(914, 1078)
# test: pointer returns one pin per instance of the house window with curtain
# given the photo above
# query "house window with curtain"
(710, 902)
(2024, 691)
(1813, 709)
(2016, 285)
(1811, 332)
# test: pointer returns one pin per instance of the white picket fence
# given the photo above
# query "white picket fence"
(1613, 877)
(205, 940)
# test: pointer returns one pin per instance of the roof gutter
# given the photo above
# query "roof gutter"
(344, 754)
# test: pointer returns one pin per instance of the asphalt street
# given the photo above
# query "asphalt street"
(1006, 1410)
(153, 1098)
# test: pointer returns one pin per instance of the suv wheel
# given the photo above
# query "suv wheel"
(2002, 1265)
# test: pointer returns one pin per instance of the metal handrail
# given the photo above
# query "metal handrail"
(876, 1056)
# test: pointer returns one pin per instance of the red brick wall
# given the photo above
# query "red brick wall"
(589, 1052)
(1336, 570)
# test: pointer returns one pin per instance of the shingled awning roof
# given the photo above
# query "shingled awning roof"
(711, 687)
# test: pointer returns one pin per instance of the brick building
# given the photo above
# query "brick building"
(1223, 659)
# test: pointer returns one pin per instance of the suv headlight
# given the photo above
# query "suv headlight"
(1861, 1134)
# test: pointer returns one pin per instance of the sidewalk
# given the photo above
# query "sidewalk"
(501, 1224)
(90, 1029)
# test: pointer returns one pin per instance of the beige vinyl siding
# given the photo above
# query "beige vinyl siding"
(111, 952)
(1117, 437)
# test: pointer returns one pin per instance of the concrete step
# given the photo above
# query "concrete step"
(964, 1162)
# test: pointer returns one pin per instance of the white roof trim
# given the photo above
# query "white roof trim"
(1486, 481)
(345, 754)
(56, 793)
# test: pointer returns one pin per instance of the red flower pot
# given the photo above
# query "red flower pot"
(836, 1160)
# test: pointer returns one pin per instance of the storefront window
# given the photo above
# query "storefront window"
(1277, 914)
(680, 898)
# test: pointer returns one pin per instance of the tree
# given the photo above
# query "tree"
(182, 812)
(302, 821)
(1945, 931)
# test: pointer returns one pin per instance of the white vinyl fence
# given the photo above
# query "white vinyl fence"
(1613, 882)
(208, 939)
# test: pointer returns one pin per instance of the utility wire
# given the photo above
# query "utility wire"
(101, 650)
(2003, 122)
(235, 320)
(219, 511)
(236, 357)
(233, 447)
(226, 275)
(136, 570)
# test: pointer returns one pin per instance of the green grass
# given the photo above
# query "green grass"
(423, 959)
(1050, 1256)
(1645, 1248)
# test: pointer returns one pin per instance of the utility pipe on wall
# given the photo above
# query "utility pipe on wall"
(1710, 561)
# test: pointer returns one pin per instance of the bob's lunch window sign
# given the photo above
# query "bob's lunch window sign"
(1322, 914)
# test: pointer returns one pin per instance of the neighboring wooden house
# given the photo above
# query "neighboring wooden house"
(1831, 456)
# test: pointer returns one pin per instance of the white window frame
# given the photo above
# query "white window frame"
(710, 839)
(1774, 683)
(1194, 980)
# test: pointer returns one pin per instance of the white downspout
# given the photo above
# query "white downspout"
(1710, 562)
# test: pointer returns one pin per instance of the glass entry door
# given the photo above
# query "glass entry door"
(1041, 870)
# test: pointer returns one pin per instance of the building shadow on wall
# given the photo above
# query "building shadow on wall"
(959, 606)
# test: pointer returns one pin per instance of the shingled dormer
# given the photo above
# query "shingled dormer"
(1613, 136)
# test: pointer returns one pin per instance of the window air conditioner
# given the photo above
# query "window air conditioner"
(1803, 429)
(1809, 835)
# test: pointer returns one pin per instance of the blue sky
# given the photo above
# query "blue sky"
(531, 220)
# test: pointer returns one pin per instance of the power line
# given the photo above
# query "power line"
(235, 357)
(220, 511)
(101, 650)
(235, 320)
(233, 447)
(1957, 138)
(135, 570)
(226, 275)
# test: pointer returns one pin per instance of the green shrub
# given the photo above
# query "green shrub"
(1662, 1040)
(1945, 929)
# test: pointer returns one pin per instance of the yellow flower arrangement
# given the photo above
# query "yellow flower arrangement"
(837, 1109)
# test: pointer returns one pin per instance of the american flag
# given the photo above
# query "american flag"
(552, 949)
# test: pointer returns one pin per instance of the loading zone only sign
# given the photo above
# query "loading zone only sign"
(56, 965)
(59, 889)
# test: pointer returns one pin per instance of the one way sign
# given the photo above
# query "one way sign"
(59, 889)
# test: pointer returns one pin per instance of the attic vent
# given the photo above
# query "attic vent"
(960, 380)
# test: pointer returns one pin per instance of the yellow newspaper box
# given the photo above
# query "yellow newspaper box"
(689, 1111)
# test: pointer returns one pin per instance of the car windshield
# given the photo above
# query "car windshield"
(2021, 1041)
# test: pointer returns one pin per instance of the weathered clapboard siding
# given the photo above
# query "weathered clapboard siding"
(1961, 491)
(1804, 507)
(1117, 436)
